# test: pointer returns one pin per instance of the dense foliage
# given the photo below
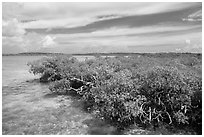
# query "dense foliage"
(127, 90)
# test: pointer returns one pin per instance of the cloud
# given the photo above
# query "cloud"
(12, 45)
(36, 42)
(11, 10)
(122, 38)
(119, 39)
(194, 45)
(15, 36)
(52, 15)
(28, 42)
(46, 10)
(178, 49)
(48, 41)
(196, 14)
(12, 36)
(194, 17)
(55, 23)
(12, 28)
(188, 41)
(125, 32)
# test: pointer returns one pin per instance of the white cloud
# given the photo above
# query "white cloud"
(191, 19)
(48, 41)
(15, 36)
(79, 14)
(194, 17)
(194, 45)
(188, 41)
(28, 42)
(46, 10)
(54, 23)
(51, 15)
(103, 41)
(123, 31)
(117, 39)
(178, 49)
(12, 28)
(12, 44)
(11, 10)
(197, 14)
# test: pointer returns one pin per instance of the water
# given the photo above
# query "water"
(83, 58)
(15, 69)
(28, 106)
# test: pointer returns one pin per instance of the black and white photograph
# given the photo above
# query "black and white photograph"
(101, 68)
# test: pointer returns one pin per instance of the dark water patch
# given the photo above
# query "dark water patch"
(50, 95)
(97, 126)
(33, 81)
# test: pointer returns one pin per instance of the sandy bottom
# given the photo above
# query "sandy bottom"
(29, 108)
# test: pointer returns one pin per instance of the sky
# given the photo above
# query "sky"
(101, 27)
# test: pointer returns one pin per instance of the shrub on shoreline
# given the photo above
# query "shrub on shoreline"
(124, 90)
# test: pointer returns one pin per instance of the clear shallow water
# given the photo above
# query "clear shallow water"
(28, 107)
(15, 69)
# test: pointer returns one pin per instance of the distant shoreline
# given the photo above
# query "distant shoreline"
(32, 54)
(95, 54)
